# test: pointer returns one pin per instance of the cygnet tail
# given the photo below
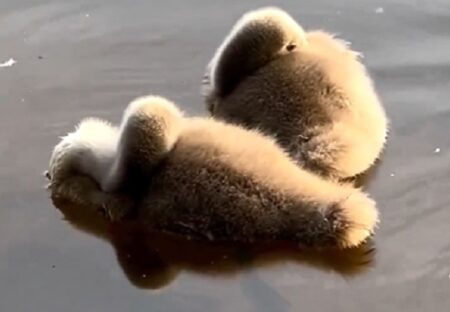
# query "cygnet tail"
(343, 224)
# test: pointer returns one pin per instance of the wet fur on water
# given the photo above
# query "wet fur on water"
(206, 179)
(307, 89)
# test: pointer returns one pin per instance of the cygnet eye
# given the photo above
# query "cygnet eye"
(47, 175)
(291, 47)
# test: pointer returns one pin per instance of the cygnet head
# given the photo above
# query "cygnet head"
(256, 39)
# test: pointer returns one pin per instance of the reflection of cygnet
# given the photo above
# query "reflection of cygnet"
(307, 89)
(205, 179)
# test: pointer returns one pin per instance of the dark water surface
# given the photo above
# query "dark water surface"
(78, 58)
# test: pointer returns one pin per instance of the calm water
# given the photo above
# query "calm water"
(78, 58)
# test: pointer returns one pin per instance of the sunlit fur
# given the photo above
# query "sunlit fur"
(209, 180)
(306, 89)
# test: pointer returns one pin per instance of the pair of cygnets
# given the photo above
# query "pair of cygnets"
(293, 113)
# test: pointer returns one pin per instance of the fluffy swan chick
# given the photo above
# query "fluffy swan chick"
(306, 89)
(205, 179)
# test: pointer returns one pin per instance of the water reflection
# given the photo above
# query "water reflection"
(153, 260)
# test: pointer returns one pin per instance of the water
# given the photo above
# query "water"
(80, 58)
